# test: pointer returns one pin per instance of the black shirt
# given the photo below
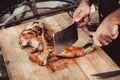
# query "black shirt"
(105, 8)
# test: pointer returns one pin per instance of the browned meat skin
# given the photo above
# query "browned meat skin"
(35, 59)
(31, 37)
(72, 52)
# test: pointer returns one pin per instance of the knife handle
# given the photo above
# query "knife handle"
(89, 47)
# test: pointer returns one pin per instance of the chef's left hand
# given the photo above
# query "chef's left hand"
(105, 34)
(108, 29)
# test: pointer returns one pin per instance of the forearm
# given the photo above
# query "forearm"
(84, 2)
(114, 17)
(89, 2)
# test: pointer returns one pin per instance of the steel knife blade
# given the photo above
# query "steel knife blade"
(65, 38)
(107, 74)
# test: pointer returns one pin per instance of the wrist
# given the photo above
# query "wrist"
(84, 2)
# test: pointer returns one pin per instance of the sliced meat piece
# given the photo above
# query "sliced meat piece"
(35, 59)
(71, 52)
(34, 44)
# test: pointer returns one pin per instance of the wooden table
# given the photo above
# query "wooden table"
(19, 66)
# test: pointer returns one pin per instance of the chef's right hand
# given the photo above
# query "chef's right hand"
(81, 13)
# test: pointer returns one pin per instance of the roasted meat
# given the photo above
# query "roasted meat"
(40, 40)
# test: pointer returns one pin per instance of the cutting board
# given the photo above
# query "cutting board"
(19, 66)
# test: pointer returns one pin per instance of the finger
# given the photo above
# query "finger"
(96, 41)
(78, 18)
(76, 13)
(103, 41)
(107, 39)
(84, 22)
(81, 16)
(114, 31)
(100, 40)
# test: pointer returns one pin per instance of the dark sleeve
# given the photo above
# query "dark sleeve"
(93, 1)
(106, 7)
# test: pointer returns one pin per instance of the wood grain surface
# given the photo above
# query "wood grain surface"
(19, 66)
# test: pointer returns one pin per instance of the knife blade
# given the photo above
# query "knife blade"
(65, 38)
(107, 74)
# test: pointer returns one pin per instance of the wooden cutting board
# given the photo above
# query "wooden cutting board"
(19, 66)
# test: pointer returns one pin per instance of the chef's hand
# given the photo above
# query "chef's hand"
(81, 13)
(108, 29)
(105, 34)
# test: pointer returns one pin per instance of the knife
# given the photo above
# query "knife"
(65, 38)
(107, 74)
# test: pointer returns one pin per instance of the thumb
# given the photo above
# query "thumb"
(115, 32)
(115, 36)
(79, 17)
